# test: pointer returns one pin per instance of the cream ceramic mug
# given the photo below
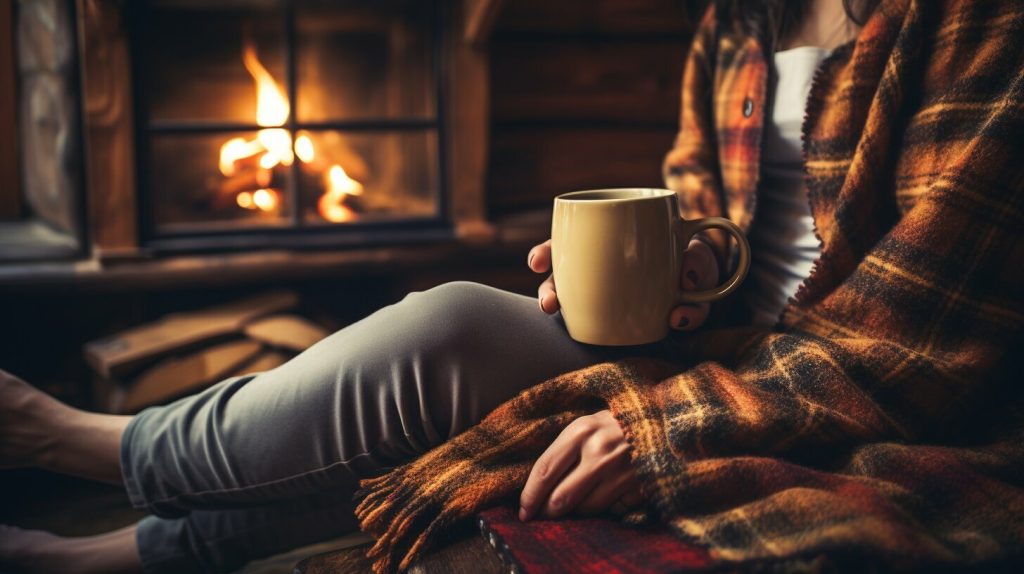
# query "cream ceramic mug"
(617, 256)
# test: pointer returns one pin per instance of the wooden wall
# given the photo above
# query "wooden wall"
(10, 179)
(584, 94)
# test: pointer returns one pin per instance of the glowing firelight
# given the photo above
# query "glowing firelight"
(262, 199)
(272, 146)
(338, 182)
(235, 149)
(304, 148)
(265, 199)
(339, 186)
(244, 200)
(271, 105)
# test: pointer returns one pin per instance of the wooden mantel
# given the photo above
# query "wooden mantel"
(506, 244)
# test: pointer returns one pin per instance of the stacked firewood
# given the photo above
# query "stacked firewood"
(184, 353)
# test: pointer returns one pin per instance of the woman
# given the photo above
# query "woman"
(258, 464)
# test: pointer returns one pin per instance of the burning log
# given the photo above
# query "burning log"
(251, 180)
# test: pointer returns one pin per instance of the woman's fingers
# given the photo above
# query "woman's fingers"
(609, 491)
(539, 261)
(549, 469)
(699, 272)
(546, 296)
(574, 488)
(539, 258)
(688, 317)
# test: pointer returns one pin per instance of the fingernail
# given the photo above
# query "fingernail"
(692, 276)
(541, 303)
(683, 321)
(529, 261)
(522, 514)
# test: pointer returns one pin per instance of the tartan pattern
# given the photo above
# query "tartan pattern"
(596, 545)
(884, 416)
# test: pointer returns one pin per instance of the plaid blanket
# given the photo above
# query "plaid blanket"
(884, 415)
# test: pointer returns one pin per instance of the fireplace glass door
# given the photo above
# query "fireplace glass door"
(271, 118)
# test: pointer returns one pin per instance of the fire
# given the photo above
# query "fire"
(339, 186)
(271, 105)
(262, 199)
(304, 148)
(273, 146)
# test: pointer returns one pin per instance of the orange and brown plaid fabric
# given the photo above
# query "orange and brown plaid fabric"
(883, 418)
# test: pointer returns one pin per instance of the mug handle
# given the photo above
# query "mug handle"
(689, 228)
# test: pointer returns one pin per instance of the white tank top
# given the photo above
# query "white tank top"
(782, 239)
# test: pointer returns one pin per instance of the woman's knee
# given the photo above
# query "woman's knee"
(456, 292)
(460, 310)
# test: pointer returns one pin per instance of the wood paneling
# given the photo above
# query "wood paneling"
(589, 79)
(529, 166)
(468, 109)
(611, 17)
(108, 127)
(584, 94)
(10, 184)
(480, 18)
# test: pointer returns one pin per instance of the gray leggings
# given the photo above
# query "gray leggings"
(260, 464)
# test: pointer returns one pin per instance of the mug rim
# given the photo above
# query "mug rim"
(572, 195)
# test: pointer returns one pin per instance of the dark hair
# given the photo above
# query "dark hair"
(769, 20)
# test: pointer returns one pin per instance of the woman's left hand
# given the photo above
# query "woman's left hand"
(586, 469)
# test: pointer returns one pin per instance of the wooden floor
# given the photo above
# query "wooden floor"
(73, 507)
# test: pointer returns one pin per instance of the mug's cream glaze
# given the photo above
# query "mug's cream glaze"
(617, 254)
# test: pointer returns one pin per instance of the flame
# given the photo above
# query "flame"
(265, 199)
(272, 110)
(304, 148)
(262, 199)
(273, 146)
(236, 149)
(271, 105)
(244, 199)
(338, 182)
(339, 186)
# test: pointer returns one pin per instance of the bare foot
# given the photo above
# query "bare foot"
(32, 551)
(20, 550)
(27, 417)
(38, 430)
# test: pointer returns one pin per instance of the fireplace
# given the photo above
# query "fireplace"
(156, 127)
(257, 120)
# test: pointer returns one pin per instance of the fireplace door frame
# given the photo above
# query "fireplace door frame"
(298, 233)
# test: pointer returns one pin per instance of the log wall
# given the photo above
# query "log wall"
(584, 94)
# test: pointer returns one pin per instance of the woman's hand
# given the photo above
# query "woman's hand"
(699, 272)
(539, 261)
(586, 469)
